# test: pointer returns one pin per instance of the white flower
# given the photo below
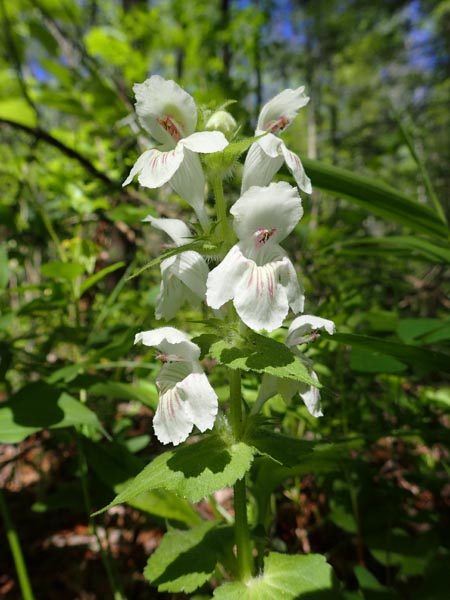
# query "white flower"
(304, 329)
(169, 114)
(183, 275)
(186, 397)
(301, 330)
(266, 156)
(256, 273)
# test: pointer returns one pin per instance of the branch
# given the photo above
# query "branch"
(41, 134)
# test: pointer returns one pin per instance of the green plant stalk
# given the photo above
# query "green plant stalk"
(241, 531)
(221, 211)
(16, 551)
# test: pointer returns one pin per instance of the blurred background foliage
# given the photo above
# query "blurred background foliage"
(76, 399)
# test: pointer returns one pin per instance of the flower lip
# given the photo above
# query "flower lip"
(263, 235)
(169, 124)
(278, 125)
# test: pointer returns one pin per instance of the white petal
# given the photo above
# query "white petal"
(191, 268)
(301, 327)
(311, 397)
(172, 373)
(175, 229)
(169, 341)
(155, 168)
(171, 294)
(141, 163)
(294, 290)
(278, 113)
(183, 280)
(201, 399)
(158, 99)
(260, 300)
(189, 183)
(271, 145)
(276, 209)
(259, 168)
(295, 166)
(226, 278)
(172, 421)
(206, 142)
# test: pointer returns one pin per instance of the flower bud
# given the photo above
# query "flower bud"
(222, 121)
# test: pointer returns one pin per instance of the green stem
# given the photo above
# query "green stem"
(241, 531)
(16, 551)
(221, 210)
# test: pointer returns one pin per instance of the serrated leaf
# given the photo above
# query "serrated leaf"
(193, 471)
(287, 577)
(185, 560)
(234, 150)
(261, 354)
(114, 465)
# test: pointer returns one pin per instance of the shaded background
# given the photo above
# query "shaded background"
(378, 74)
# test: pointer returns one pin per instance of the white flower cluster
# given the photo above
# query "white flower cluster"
(256, 274)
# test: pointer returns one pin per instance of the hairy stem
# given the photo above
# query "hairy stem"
(16, 551)
(241, 531)
(221, 210)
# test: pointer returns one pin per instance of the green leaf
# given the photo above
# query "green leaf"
(285, 577)
(407, 246)
(287, 451)
(366, 361)
(372, 588)
(93, 279)
(18, 110)
(423, 330)
(193, 471)
(409, 553)
(423, 360)
(40, 406)
(142, 391)
(185, 560)
(376, 197)
(258, 353)
(62, 270)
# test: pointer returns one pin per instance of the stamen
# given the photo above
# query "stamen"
(169, 125)
(278, 125)
(263, 236)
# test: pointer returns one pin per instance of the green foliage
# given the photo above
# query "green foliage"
(376, 197)
(40, 406)
(258, 353)
(186, 560)
(192, 471)
(284, 576)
